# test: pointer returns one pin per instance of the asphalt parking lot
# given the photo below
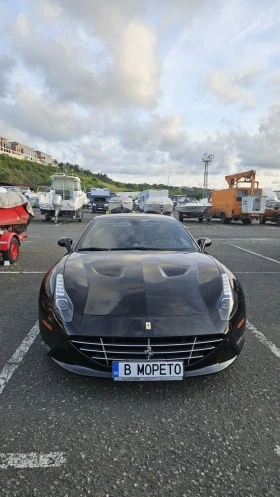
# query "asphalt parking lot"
(215, 436)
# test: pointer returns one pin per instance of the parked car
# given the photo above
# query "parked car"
(137, 298)
(271, 213)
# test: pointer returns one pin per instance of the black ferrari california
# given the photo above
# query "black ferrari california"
(137, 298)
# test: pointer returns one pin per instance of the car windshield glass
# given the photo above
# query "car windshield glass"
(141, 233)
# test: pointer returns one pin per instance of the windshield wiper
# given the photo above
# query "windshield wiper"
(141, 248)
(166, 249)
(92, 249)
(96, 249)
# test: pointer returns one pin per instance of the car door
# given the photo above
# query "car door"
(275, 211)
(269, 211)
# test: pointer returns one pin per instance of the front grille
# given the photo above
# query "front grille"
(104, 350)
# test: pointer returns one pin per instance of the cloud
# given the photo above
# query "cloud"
(275, 78)
(249, 102)
(126, 87)
(47, 10)
(158, 133)
(273, 85)
(137, 68)
(223, 87)
(72, 69)
(230, 87)
(270, 127)
(248, 76)
(7, 64)
(40, 116)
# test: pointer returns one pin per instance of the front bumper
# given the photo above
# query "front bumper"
(68, 356)
(84, 371)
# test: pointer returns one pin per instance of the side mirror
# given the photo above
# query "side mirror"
(276, 208)
(204, 242)
(66, 242)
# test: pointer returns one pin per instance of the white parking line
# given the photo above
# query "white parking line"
(13, 363)
(254, 253)
(277, 450)
(32, 460)
(263, 339)
(256, 272)
(245, 239)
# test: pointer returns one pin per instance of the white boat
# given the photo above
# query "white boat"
(149, 194)
(158, 205)
(191, 207)
(32, 197)
(120, 204)
(65, 198)
(155, 202)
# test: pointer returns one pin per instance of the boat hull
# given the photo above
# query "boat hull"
(158, 208)
(120, 207)
(195, 210)
(15, 218)
(192, 211)
(67, 208)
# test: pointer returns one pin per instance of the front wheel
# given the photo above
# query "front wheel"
(181, 217)
(224, 219)
(262, 220)
(12, 254)
(278, 221)
(200, 219)
(247, 220)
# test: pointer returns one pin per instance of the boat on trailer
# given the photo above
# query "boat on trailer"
(64, 199)
(15, 215)
(158, 205)
(190, 207)
(119, 204)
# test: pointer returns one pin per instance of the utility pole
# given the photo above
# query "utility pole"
(206, 158)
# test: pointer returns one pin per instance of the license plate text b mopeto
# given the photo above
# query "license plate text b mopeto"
(148, 371)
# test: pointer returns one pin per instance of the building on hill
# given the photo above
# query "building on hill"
(3, 144)
(20, 151)
(43, 157)
(26, 152)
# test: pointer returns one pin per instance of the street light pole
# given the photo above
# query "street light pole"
(206, 158)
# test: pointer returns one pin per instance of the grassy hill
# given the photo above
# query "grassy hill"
(30, 173)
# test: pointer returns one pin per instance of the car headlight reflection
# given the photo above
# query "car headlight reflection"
(62, 300)
(226, 299)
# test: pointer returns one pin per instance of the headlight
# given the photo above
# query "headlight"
(105, 205)
(93, 204)
(62, 300)
(226, 299)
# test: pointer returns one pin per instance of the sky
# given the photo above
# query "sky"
(141, 89)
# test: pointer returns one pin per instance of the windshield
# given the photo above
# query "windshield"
(99, 199)
(65, 186)
(140, 233)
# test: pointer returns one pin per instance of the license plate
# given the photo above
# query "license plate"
(148, 371)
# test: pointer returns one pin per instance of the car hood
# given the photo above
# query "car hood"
(142, 284)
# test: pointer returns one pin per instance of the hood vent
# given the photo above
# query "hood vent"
(107, 268)
(173, 270)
